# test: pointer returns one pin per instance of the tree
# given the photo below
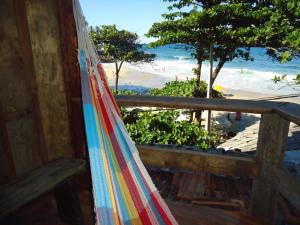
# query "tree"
(280, 32)
(118, 46)
(199, 23)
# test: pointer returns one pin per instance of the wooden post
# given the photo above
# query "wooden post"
(272, 139)
(209, 87)
(72, 80)
(68, 203)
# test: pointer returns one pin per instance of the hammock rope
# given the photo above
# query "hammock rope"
(123, 190)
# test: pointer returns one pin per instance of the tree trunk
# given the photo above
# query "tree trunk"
(198, 75)
(209, 87)
(197, 114)
(118, 68)
(117, 77)
(218, 69)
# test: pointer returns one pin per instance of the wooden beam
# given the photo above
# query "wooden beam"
(288, 186)
(231, 105)
(244, 167)
(272, 139)
(28, 63)
(72, 81)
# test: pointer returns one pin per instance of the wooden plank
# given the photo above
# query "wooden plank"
(288, 186)
(244, 167)
(231, 105)
(37, 183)
(272, 139)
(45, 40)
(189, 214)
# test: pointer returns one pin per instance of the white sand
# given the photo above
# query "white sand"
(133, 79)
(141, 81)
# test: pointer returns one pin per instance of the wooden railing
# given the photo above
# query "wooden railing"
(266, 168)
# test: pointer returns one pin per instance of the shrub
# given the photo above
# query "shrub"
(126, 92)
(183, 89)
(164, 128)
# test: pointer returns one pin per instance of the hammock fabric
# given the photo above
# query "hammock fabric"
(123, 190)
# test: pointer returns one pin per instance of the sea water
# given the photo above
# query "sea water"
(176, 62)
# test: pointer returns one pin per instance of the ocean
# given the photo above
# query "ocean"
(176, 62)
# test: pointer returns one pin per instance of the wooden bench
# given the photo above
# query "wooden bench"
(56, 176)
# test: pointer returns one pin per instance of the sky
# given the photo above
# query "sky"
(133, 15)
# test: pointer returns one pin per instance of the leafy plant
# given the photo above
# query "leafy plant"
(165, 128)
(125, 92)
(297, 79)
(183, 89)
(277, 79)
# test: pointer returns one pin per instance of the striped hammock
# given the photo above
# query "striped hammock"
(123, 190)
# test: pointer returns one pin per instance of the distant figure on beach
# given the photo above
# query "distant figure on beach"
(234, 123)
(239, 121)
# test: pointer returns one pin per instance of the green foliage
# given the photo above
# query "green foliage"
(125, 92)
(277, 79)
(297, 79)
(164, 128)
(281, 29)
(183, 89)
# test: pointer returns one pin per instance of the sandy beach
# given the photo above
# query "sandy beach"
(141, 81)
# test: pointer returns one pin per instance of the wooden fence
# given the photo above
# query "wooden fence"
(266, 168)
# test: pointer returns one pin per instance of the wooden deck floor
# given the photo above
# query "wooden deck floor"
(44, 212)
(203, 215)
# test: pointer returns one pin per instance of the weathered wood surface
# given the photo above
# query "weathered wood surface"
(38, 182)
(289, 111)
(288, 186)
(244, 167)
(231, 105)
(246, 140)
(17, 93)
(272, 139)
(71, 71)
(43, 25)
(187, 214)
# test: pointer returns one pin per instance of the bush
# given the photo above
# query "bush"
(126, 92)
(183, 89)
(164, 128)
